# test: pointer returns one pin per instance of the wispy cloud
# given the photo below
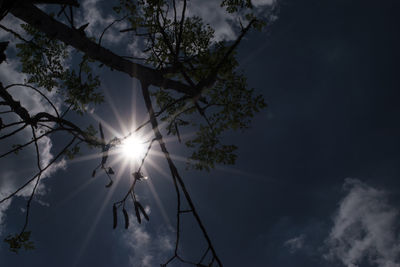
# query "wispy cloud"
(9, 179)
(365, 228)
(295, 244)
(260, 3)
(92, 13)
(148, 249)
(224, 23)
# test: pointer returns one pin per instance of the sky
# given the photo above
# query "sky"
(317, 178)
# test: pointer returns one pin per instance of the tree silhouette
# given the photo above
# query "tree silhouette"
(188, 78)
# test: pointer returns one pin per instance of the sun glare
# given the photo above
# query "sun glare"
(133, 148)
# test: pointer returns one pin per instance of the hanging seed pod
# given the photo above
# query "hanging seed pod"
(105, 155)
(126, 218)
(101, 133)
(115, 219)
(177, 132)
(143, 211)
(137, 213)
(109, 184)
(105, 147)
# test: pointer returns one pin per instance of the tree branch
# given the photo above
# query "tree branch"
(177, 179)
(75, 38)
(36, 175)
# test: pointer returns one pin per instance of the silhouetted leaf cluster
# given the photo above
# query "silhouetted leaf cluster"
(19, 241)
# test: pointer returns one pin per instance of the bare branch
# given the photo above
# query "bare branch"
(28, 204)
(14, 132)
(58, 2)
(13, 33)
(39, 173)
(109, 26)
(19, 147)
(176, 177)
(38, 91)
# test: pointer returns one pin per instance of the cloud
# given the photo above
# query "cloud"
(217, 17)
(365, 228)
(12, 175)
(10, 22)
(147, 249)
(6, 185)
(224, 23)
(258, 3)
(295, 243)
(92, 13)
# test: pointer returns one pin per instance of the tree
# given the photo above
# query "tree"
(189, 80)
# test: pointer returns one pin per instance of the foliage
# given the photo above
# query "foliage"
(185, 50)
(213, 97)
(45, 60)
(19, 241)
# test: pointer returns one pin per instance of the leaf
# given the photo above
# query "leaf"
(143, 211)
(19, 241)
(126, 218)
(94, 173)
(137, 212)
(115, 219)
(109, 184)
(110, 171)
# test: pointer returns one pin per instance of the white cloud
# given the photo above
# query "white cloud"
(10, 179)
(91, 12)
(147, 249)
(365, 228)
(258, 3)
(217, 17)
(226, 24)
(6, 185)
(295, 244)
(10, 22)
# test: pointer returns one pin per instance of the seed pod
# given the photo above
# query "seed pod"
(137, 213)
(143, 211)
(105, 147)
(105, 155)
(109, 184)
(94, 173)
(101, 133)
(126, 218)
(115, 217)
(177, 132)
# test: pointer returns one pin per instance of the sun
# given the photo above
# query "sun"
(133, 148)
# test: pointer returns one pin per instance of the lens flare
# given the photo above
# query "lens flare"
(133, 148)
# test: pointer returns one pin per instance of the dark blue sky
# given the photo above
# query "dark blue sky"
(329, 73)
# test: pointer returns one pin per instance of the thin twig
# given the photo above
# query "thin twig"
(14, 132)
(44, 169)
(28, 204)
(36, 90)
(177, 179)
(109, 26)
(14, 33)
